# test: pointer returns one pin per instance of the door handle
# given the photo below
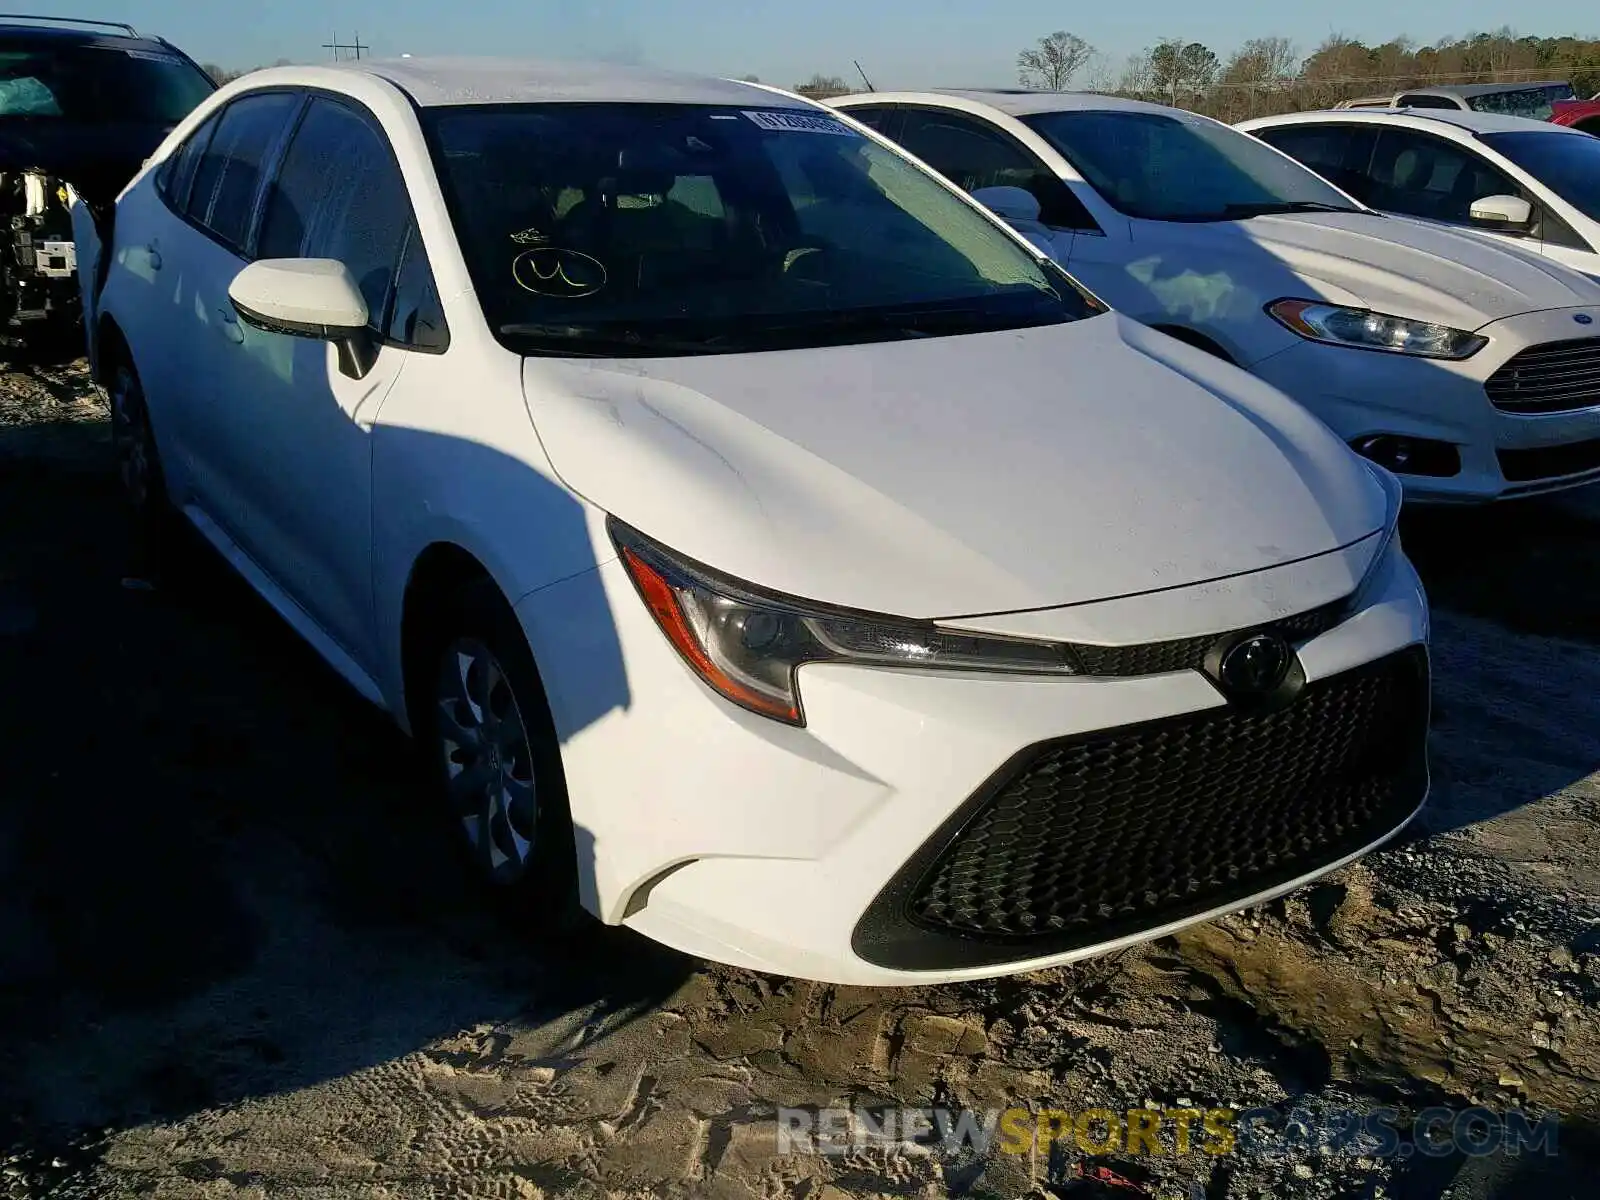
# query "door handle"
(153, 257)
(230, 326)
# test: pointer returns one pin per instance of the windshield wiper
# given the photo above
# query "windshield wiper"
(754, 333)
(598, 341)
(889, 323)
(1269, 207)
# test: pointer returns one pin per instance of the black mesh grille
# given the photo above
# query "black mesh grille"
(1549, 462)
(1096, 838)
(1188, 654)
(1554, 377)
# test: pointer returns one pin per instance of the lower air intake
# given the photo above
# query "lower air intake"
(1093, 838)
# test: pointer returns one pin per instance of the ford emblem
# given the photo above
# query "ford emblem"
(1583, 318)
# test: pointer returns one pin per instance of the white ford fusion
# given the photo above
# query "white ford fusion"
(770, 550)
(1452, 360)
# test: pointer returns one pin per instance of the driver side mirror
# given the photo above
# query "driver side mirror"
(1507, 214)
(313, 298)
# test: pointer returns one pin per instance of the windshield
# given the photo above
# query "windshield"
(1566, 163)
(99, 83)
(1167, 168)
(1535, 103)
(646, 229)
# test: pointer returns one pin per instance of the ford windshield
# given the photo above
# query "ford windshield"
(1169, 168)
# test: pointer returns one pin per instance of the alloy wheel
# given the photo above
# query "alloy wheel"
(488, 760)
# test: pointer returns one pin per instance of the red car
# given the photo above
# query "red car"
(1580, 114)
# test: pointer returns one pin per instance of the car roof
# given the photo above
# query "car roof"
(433, 82)
(1013, 102)
(1463, 119)
(14, 33)
(1482, 89)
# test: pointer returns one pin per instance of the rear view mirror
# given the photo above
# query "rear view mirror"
(1011, 203)
(310, 298)
(1509, 214)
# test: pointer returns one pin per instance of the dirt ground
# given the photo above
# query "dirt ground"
(235, 960)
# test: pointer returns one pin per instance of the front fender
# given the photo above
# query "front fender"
(1220, 292)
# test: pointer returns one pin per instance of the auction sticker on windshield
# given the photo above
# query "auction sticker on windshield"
(794, 121)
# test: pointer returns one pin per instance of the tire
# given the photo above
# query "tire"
(157, 527)
(486, 729)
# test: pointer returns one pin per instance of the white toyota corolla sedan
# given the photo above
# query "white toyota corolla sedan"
(771, 551)
(1440, 354)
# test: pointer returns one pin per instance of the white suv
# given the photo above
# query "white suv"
(1439, 354)
(771, 551)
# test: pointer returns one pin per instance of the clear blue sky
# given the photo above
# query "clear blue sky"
(904, 43)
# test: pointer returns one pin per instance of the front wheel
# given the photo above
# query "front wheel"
(498, 764)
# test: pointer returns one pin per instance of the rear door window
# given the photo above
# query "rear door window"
(1339, 153)
(227, 178)
(177, 173)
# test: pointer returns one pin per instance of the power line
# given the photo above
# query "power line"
(335, 46)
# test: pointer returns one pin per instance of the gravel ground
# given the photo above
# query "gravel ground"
(234, 961)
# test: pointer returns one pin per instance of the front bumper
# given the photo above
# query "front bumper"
(768, 847)
(1503, 455)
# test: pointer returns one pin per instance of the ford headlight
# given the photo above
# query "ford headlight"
(1364, 329)
(746, 644)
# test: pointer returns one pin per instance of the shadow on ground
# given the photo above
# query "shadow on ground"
(1532, 565)
(217, 879)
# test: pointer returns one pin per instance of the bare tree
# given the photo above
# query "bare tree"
(1049, 65)
(1261, 68)
(820, 86)
(1136, 78)
(1103, 75)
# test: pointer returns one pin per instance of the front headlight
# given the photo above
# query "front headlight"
(1366, 330)
(747, 645)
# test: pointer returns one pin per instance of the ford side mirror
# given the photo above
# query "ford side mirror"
(311, 298)
(1010, 203)
(1509, 214)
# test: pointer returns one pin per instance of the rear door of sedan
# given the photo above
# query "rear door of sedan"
(192, 261)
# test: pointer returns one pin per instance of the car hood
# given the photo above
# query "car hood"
(1414, 268)
(956, 476)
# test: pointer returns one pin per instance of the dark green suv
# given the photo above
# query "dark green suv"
(82, 104)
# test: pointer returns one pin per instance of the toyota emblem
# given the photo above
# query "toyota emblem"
(1255, 665)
